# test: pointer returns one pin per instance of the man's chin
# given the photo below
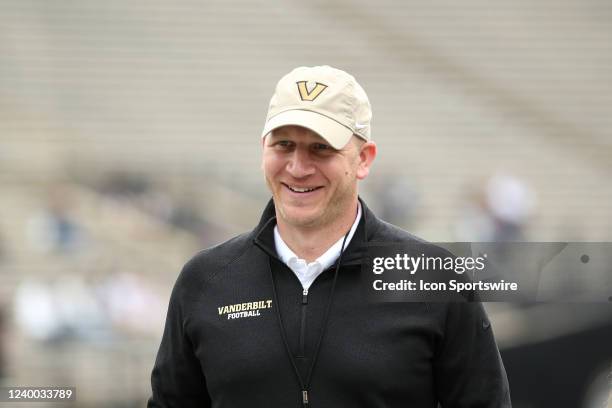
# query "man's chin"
(301, 217)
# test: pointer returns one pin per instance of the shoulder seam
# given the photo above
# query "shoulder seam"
(228, 263)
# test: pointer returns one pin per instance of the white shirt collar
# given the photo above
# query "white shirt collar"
(307, 272)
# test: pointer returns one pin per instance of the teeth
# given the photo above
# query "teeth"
(301, 190)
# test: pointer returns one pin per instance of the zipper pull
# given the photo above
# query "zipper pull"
(305, 398)
(305, 299)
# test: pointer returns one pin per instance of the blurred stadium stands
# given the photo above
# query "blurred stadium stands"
(129, 138)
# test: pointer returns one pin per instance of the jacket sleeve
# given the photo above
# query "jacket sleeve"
(177, 379)
(469, 371)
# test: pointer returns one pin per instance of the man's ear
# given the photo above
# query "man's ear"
(367, 154)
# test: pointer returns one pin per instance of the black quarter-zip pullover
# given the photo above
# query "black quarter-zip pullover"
(223, 344)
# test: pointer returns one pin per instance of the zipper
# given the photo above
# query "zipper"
(304, 398)
(301, 351)
(304, 383)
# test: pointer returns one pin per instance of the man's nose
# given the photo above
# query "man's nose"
(300, 165)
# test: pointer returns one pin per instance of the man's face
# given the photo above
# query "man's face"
(311, 182)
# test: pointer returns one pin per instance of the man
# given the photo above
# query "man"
(276, 318)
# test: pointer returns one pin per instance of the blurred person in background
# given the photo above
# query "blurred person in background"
(277, 317)
(497, 211)
(53, 229)
(60, 310)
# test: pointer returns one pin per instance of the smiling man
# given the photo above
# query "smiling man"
(276, 317)
(314, 186)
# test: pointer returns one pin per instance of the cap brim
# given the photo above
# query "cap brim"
(336, 134)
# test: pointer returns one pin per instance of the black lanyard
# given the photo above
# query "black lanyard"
(305, 385)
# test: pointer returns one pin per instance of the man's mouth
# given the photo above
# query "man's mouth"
(297, 189)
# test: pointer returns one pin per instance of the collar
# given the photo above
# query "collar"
(327, 259)
(263, 234)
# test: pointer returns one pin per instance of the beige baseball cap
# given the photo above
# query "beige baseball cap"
(324, 99)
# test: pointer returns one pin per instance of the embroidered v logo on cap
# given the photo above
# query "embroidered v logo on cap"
(324, 99)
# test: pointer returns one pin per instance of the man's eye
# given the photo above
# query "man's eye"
(284, 143)
(321, 146)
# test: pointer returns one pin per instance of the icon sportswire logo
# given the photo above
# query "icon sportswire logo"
(310, 95)
(246, 309)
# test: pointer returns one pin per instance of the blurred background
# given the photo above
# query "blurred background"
(129, 139)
